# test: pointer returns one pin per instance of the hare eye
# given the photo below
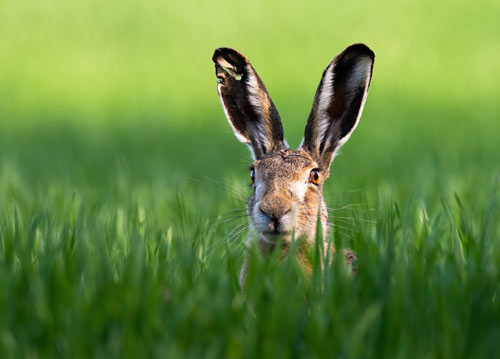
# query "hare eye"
(314, 178)
(252, 175)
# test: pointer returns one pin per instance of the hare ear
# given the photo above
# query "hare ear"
(247, 104)
(338, 103)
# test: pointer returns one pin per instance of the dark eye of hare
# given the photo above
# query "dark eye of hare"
(314, 177)
(252, 175)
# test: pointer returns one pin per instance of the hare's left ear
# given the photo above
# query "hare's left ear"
(247, 104)
(338, 103)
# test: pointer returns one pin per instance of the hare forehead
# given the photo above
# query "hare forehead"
(285, 165)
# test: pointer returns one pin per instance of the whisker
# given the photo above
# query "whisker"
(229, 239)
(338, 231)
(353, 190)
(229, 220)
(237, 193)
(347, 206)
(234, 233)
(228, 214)
(231, 232)
(232, 218)
(235, 210)
(339, 226)
(356, 219)
(344, 217)
(332, 193)
(344, 220)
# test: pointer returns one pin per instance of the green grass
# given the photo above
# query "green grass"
(120, 180)
(109, 249)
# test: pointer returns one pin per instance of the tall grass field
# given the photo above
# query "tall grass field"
(123, 189)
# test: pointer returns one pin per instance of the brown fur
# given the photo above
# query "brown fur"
(275, 172)
(285, 201)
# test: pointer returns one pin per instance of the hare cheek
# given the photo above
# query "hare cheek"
(258, 191)
(260, 221)
(288, 220)
(256, 215)
(298, 190)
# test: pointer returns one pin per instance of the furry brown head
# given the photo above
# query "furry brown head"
(287, 197)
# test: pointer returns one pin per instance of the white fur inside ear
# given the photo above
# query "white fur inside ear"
(238, 135)
(360, 73)
(325, 100)
(260, 102)
(360, 77)
(224, 64)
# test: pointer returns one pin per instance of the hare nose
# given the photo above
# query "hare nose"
(274, 213)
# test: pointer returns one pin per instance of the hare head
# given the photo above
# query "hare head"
(287, 184)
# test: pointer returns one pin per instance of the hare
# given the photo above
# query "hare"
(287, 184)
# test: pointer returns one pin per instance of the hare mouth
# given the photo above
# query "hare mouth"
(275, 235)
(276, 232)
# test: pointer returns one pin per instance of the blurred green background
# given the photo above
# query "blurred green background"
(119, 175)
(87, 65)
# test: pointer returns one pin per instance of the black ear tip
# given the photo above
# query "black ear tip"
(230, 55)
(220, 51)
(359, 50)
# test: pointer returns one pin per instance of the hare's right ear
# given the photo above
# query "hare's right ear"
(246, 103)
